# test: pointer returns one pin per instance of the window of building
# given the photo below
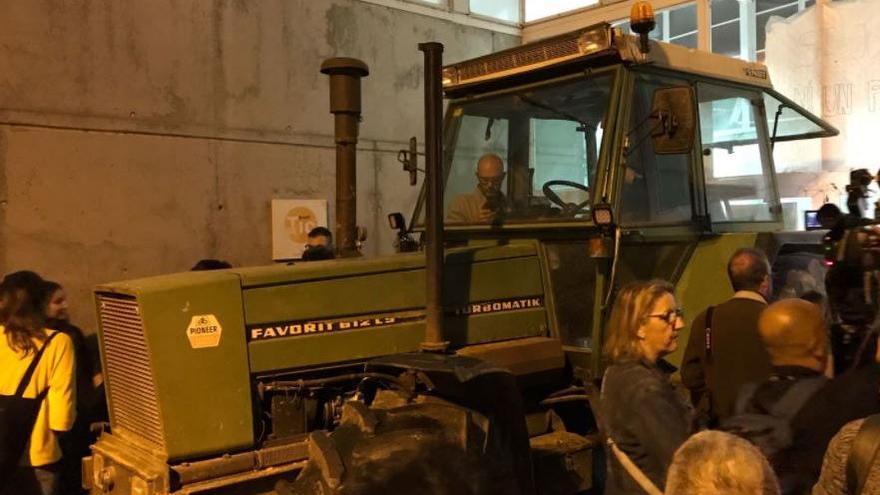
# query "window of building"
(676, 25)
(682, 25)
(505, 10)
(539, 9)
(765, 9)
(739, 27)
(726, 27)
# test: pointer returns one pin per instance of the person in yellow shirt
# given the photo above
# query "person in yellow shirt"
(22, 335)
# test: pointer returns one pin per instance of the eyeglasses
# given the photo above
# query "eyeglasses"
(498, 179)
(670, 316)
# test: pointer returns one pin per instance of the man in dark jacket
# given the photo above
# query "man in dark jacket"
(850, 396)
(725, 353)
(794, 334)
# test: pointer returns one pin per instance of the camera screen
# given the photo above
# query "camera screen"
(811, 220)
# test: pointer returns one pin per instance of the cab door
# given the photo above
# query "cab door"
(659, 195)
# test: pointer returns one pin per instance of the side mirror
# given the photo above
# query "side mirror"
(404, 242)
(397, 222)
(675, 118)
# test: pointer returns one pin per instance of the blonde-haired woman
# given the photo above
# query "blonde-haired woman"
(641, 411)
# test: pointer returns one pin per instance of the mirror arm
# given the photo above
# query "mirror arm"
(409, 159)
(653, 115)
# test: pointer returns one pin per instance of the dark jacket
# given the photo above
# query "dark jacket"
(850, 396)
(647, 418)
(738, 357)
(775, 386)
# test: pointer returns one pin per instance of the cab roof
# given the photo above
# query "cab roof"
(594, 46)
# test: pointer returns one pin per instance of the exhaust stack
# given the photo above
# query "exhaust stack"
(345, 104)
(434, 337)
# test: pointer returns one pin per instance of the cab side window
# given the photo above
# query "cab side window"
(739, 184)
(656, 189)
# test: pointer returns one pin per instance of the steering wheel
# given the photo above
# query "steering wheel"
(568, 209)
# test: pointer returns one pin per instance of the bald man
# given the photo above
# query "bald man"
(852, 395)
(724, 351)
(486, 203)
(794, 333)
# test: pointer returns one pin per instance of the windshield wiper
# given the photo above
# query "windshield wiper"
(557, 111)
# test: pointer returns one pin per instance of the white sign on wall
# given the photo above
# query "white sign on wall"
(292, 219)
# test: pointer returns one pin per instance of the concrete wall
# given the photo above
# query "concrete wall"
(138, 137)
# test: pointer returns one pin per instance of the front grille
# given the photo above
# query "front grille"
(132, 393)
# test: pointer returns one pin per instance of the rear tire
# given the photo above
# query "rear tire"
(427, 447)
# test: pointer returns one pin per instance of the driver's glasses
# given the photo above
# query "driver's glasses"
(491, 181)
(670, 317)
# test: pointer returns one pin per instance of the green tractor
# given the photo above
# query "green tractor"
(463, 365)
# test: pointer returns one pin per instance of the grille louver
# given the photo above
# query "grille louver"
(514, 59)
(130, 385)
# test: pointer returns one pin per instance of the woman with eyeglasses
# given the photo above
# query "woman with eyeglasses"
(643, 415)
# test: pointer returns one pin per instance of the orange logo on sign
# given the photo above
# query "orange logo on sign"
(299, 222)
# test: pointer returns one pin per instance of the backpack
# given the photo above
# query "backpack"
(17, 417)
(771, 432)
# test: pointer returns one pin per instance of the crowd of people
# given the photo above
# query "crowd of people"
(50, 389)
(758, 410)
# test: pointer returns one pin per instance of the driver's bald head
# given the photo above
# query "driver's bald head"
(793, 332)
(490, 165)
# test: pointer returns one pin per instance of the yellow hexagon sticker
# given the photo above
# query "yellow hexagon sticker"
(204, 331)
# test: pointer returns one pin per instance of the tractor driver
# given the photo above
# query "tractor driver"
(486, 204)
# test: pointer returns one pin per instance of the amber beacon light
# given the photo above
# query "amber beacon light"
(641, 21)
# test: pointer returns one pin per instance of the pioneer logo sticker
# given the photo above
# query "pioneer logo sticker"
(204, 331)
(314, 327)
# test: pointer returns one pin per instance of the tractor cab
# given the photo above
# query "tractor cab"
(673, 137)
(619, 164)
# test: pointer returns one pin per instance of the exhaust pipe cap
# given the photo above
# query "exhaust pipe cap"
(345, 66)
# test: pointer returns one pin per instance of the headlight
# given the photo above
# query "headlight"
(140, 487)
(602, 215)
(450, 76)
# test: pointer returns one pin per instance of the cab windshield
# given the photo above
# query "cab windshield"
(526, 156)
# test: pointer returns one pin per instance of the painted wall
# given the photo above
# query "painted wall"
(138, 137)
(839, 81)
